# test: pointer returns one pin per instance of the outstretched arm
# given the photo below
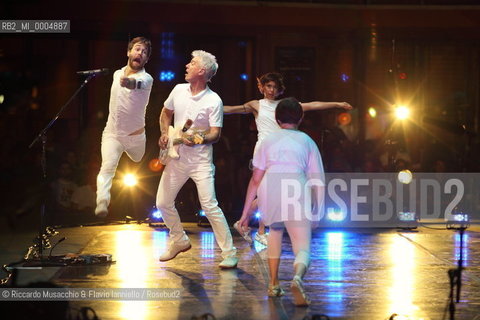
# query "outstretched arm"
(248, 107)
(318, 105)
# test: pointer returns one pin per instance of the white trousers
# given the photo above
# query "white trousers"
(112, 149)
(176, 173)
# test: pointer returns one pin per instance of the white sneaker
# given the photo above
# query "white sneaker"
(174, 249)
(101, 210)
(300, 298)
(244, 234)
(229, 263)
(262, 238)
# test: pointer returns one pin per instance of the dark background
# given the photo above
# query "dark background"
(373, 54)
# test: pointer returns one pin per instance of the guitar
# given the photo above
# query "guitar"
(175, 139)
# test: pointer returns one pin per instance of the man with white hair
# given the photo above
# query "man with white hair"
(196, 102)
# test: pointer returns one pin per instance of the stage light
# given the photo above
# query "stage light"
(335, 215)
(202, 219)
(244, 76)
(166, 75)
(130, 180)
(344, 77)
(405, 176)
(155, 165)
(344, 118)
(402, 112)
(458, 220)
(258, 215)
(372, 112)
(155, 218)
(2, 98)
(156, 214)
(407, 220)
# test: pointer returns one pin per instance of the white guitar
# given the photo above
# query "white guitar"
(175, 139)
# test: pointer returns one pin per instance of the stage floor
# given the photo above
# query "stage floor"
(354, 274)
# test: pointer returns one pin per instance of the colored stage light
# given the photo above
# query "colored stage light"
(372, 112)
(244, 76)
(335, 215)
(344, 118)
(155, 165)
(258, 215)
(156, 215)
(130, 180)
(344, 77)
(166, 75)
(458, 220)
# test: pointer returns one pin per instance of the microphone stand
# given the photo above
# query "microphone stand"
(36, 251)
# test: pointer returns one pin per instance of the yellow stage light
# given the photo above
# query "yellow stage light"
(402, 112)
(130, 180)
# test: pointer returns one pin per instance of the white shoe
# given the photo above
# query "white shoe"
(300, 297)
(229, 263)
(262, 238)
(101, 210)
(244, 234)
(174, 249)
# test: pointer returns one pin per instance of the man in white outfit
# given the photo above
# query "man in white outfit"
(194, 101)
(125, 128)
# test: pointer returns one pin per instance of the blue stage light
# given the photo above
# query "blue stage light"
(244, 76)
(166, 75)
(344, 77)
(156, 215)
(335, 215)
(258, 215)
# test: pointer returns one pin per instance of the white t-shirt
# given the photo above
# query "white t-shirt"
(290, 159)
(265, 120)
(205, 109)
(127, 107)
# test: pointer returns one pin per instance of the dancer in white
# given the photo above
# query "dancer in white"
(196, 102)
(284, 157)
(271, 86)
(125, 128)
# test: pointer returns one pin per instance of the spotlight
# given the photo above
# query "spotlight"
(202, 219)
(405, 176)
(402, 112)
(130, 180)
(344, 118)
(155, 217)
(335, 216)
(166, 75)
(344, 77)
(258, 215)
(458, 220)
(372, 112)
(244, 76)
(407, 220)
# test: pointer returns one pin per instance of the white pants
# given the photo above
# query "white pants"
(176, 173)
(112, 149)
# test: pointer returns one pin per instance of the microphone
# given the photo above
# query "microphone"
(93, 72)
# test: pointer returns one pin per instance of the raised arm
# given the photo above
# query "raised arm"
(318, 105)
(248, 107)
